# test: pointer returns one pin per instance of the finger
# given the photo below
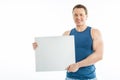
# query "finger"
(35, 45)
(66, 68)
(69, 69)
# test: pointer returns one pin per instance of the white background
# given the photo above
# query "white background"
(22, 20)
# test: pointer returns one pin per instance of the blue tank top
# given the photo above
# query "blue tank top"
(83, 48)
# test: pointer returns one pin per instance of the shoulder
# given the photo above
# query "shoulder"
(66, 33)
(95, 33)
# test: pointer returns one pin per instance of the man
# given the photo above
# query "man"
(88, 47)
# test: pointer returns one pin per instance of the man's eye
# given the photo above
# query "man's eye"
(76, 15)
(81, 15)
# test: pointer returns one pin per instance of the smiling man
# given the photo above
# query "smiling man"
(88, 47)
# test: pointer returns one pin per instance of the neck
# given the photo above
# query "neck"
(81, 28)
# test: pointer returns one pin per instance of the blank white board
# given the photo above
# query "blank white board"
(54, 53)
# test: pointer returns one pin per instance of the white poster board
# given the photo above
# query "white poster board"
(54, 53)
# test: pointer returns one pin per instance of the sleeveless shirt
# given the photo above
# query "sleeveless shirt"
(83, 48)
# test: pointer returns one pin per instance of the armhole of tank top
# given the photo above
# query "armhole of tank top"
(91, 33)
(70, 32)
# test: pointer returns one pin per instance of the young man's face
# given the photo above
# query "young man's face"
(79, 16)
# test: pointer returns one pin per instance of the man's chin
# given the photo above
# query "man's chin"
(79, 24)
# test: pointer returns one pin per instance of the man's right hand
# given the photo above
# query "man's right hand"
(35, 45)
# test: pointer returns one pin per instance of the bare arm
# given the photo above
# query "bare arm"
(98, 50)
(66, 33)
(94, 57)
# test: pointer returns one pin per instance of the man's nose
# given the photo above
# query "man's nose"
(78, 17)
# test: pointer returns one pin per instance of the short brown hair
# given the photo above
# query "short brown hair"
(80, 6)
